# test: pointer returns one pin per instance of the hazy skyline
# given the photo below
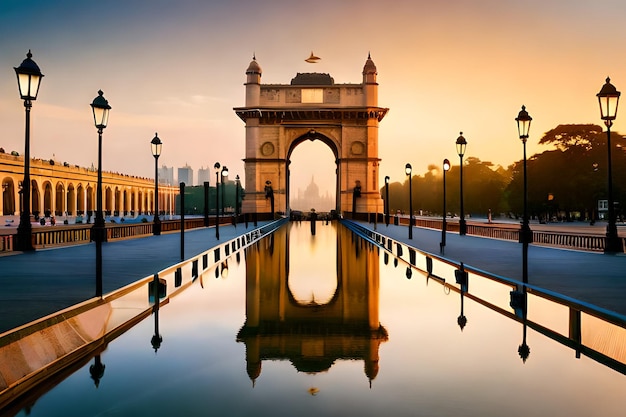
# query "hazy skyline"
(178, 68)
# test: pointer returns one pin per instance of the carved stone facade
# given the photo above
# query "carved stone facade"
(279, 117)
(68, 190)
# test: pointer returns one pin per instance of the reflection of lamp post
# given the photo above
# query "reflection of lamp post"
(462, 319)
(446, 168)
(609, 99)
(408, 169)
(217, 200)
(461, 144)
(523, 120)
(387, 200)
(28, 80)
(461, 278)
(156, 339)
(97, 370)
(100, 107)
(524, 350)
(156, 152)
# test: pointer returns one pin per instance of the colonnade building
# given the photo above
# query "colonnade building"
(70, 190)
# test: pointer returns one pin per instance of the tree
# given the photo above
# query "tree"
(570, 179)
(483, 189)
(566, 137)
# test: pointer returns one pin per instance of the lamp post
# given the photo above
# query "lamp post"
(156, 152)
(387, 200)
(608, 98)
(28, 80)
(217, 167)
(100, 107)
(523, 120)
(408, 169)
(461, 144)
(442, 244)
(206, 204)
(224, 175)
(236, 198)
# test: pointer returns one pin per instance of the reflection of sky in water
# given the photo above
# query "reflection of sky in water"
(313, 278)
(427, 367)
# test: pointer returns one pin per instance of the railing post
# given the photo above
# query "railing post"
(575, 333)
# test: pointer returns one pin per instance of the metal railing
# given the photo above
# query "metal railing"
(63, 235)
(579, 241)
(587, 329)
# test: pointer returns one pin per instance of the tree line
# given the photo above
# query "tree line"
(564, 183)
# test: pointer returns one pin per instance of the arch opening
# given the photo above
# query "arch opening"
(312, 178)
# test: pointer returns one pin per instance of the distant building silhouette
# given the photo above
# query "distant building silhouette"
(311, 198)
(204, 175)
(166, 175)
(185, 174)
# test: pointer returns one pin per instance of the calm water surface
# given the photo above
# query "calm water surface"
(324, 325)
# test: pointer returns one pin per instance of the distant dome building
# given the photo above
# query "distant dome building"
(311, 198)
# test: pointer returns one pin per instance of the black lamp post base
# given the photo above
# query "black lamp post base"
(24, 239)
(462, 227)
(156, 227)
(98, 233)
(613, 244)
(525, 234)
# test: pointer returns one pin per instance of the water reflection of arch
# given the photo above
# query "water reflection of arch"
(329, 303)
(312, 337)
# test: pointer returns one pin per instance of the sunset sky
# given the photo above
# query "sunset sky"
(178, 68)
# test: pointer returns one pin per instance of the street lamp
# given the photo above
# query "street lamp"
(217, 167)
(523, 120)
(28, 80)
(446, 168)
(236, 198)
(408, 169)
(156, 152)
(100, 107)
(608, 98)
(206, 204)
(224, 175)
(387, 200)
(461, 144)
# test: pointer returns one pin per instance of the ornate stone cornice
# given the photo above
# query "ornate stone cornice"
(276, 115)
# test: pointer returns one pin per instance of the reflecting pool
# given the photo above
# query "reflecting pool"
(329, 325)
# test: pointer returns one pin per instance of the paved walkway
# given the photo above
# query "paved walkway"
(33, 285)
(594, 278)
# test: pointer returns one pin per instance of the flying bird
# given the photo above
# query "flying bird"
(312, 59)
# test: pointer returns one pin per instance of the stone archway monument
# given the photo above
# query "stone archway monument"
(279, 117)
